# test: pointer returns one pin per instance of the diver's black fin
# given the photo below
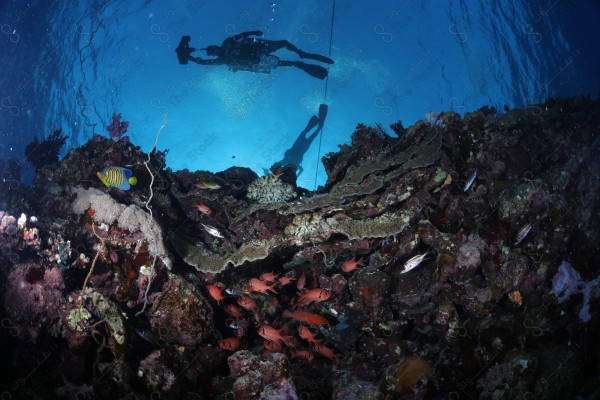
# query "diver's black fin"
(313, 70)
(316, 57)
(322, 112)
(312, 122)
(183, 50)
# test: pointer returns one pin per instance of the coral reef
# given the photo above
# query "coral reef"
(233, 286)
(33, 298)
(117, 128)
(179, 314)
(45, 152)
(105, 210)
(261, 379)
(270, 189)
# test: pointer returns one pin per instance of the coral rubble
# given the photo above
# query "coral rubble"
(228, 285)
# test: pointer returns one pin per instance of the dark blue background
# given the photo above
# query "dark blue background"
(66, 65)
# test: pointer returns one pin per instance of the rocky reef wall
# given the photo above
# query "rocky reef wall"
(426, 267)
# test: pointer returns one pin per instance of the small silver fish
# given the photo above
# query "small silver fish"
(147, 336)
(523, 232)
(213, 231)
(470, 180)
(413, 262)
(236, 324)
(234, 292)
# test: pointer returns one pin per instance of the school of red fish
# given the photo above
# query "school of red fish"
(293, 331)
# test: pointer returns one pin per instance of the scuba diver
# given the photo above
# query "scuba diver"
(244, 53)
(295, 154)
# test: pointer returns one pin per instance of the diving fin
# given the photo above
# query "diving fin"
(184, 50)
(322, 112)
(312, 122)
(313, 70)
(316, 57)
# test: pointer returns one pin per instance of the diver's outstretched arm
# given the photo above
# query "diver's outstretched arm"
(250, 33)
(241, 36)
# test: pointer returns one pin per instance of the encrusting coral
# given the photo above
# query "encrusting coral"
(108, 211)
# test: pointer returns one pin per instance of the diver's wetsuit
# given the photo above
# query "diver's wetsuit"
(242, 52)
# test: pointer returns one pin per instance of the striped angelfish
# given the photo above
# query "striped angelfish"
(118, 177)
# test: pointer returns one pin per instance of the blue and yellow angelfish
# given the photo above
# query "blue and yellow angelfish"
(119, 177)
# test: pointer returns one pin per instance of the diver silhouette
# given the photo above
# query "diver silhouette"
(243, 53)
(295, 154)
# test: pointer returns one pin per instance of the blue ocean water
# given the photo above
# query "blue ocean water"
(70, 65)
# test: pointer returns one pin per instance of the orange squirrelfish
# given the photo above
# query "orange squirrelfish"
(256, 285)
(247, 302)
(286, 280)
(327, 352)
(275, 335)
(203, 208)
(216, 293)
(272, 346)
(352, 264)
(231, 343)
(307, 335)
(233, 311)
(308, 317)
(301, 281)
(303, 355)
(308, 296)
(269, 277)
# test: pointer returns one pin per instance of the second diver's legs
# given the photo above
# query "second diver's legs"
(312, 122)
(274, 45)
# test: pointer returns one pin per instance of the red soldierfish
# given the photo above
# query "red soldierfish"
(256, 285)
(216, 293)
(229, 343)
(308, 296)
(351, 265)
(269, 277)
(275, 335)
(307, 335)
(303, 355)
(308, 317)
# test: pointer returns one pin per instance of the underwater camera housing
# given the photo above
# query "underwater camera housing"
(184, 50)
